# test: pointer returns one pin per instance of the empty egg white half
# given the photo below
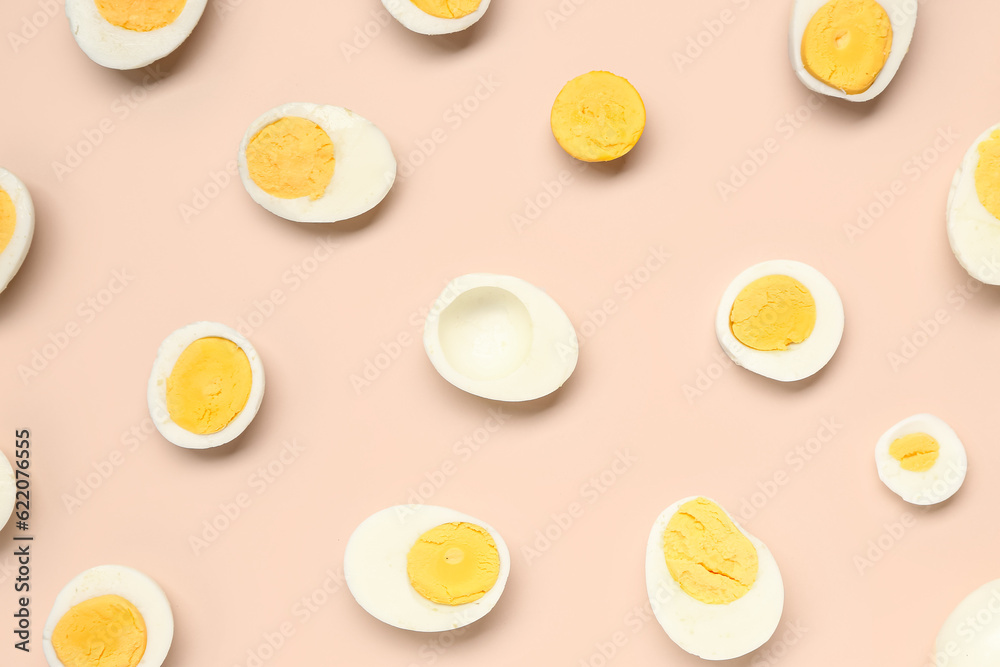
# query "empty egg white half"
(926, 487)
(127, 43)
(420, 21)
(974, 232)
(8, 488)
(166, 358)
(364, 166)
(970, 637)
(500, 337)
(14, 241)
(375, 563)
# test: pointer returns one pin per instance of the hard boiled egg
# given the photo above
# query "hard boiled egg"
(126, 34)
(437, 17)
(974, 209)
(597, 117)
(921, 459)
(17, 225)
(780, 319)
(500, 337)
(426, 568)
(8, 489)
(315, 163)
(206, 385)
(970, 637)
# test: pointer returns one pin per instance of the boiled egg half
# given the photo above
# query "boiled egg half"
(921, 459)
(974, 209)
(17, 225)
(970, 637)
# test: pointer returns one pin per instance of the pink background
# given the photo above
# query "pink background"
(121, 209)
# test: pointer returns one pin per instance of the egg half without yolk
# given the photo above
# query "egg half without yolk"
(105, 631)
(209, 385)
(140, 15)
(453, 563)
(846, 44)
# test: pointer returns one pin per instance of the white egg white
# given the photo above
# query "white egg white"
(375, 569)
(713, 631)
(134, 586)
(500, 337)
(363, 173)
(419, 21)
(970, 637)
(974, 232)
(16, 250)
(156, 392)
(8, 489)
(119, 48)
(799, 360)
(902, 17)
(931, 486)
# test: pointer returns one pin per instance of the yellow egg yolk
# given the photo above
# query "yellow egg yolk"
(707, 555)
(209, 385)
(447, 9)
(453, 563)
(8, 219)
(773, 312)
(916, 452)
(291, 158)
(598, 117)
(106, 631)
(988, 174)
(140, 15)
(846, 43)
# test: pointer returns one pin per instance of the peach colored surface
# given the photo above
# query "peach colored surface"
(346, 292)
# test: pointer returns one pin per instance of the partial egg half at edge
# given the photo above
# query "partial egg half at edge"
(970, 636)
(17, 225)
(437, 17)
(974, 209)
(8, 490)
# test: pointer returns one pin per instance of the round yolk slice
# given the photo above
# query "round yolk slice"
(846, 43)
(209, 385)
(447, 9)
(597, 117)
(453, 563)
(916, 452)
(8, 219)
(988, 174)
(291, 158)
(106, 631)
(773, 312)
(140, 15)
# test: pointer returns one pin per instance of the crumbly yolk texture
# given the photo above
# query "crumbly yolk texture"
(916, 452)
(8, 219)
(106, 631)
(447, 9)
(453, 563)
(209, 385)
(140, 15)
(988, 174)
(291, 158)
(772, 313)
(846, 43)
(597, 117)
(707, 555)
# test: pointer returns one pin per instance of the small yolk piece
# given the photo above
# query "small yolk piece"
(8, 219)
(106, 631)
(707, 555)
(447, 9)
(290, 158)
(140, 15)
(597, 117)
(988, 174)
(846, 43)
(772, 313)
(453, 563)
(209, 385)
(916, 452)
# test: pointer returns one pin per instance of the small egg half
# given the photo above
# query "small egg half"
(115, 610)
(921, 459)
(8, 490)
(129, 34)
(315, 163)
(715, 588)
(597, 117)
(780, 319)
(974, 209)
(17, 225)
(206, 385)
(426, 568)
(437, 17)
(850, 49)
(500, 337)
(970, 637)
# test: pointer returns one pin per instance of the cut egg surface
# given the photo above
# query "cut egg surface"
(129, 34)
(500, 337)
(974, 209)
(715, 588)
(8, 490)
(17, 225)
(921, 459)
(315, 163)
(109, 616)
(781, 319)
(597, 117)
(970, 636)
(437, 17)
(426, 568)
(850, 49)
(206, 385)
